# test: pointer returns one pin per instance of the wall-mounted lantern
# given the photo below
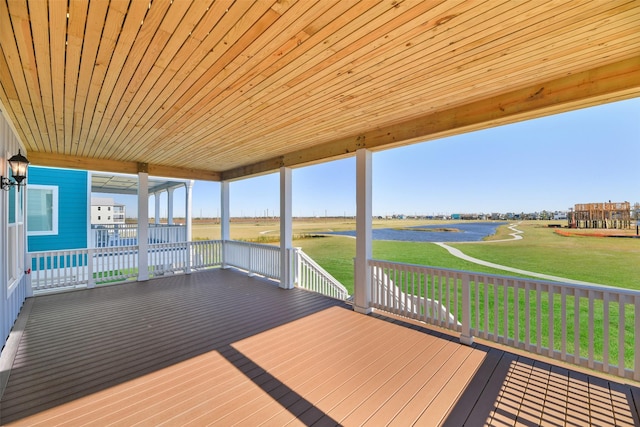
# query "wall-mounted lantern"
(18, 165)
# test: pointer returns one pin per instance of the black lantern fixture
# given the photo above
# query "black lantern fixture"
(18, 165)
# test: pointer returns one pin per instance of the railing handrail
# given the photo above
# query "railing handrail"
(584, 287)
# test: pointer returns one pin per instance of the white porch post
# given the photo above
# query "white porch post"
(362, 290)
(156, 197)
(286, 228)
(224, 219)
(187, 210)
(170, 205)
(143, 223)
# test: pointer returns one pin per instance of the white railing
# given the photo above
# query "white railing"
(206, 254)
(112, 265)
(309, 275)
(59, 269)
(107, 235)
(79, 268)
(254, 258)
(82, 267)
(168, 258)
(597, 327)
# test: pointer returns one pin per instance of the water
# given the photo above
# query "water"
(468, 232)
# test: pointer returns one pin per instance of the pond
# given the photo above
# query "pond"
(447, 232)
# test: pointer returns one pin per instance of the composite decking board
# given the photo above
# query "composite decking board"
(241, 351)
(358, 414)
(124, 368)
(480, 388)
(115, 338)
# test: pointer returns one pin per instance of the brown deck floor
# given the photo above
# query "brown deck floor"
(218, 347)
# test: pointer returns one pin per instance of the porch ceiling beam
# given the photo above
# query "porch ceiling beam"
(115, 166)
(613, 82)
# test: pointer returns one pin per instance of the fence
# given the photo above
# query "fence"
(591, 326)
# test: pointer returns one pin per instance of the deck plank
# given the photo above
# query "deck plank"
(218, 347)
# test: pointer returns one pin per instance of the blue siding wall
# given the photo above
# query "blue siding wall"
(72, 208)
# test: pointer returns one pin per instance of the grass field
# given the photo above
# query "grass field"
(609, 261)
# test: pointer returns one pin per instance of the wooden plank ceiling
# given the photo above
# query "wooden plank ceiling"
(224, 89)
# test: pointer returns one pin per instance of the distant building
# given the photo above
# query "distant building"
(601, 215)
(105, 211)
(559, 215)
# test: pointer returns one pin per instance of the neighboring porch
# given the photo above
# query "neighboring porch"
(221, 347)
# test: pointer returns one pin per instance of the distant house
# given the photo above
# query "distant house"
(105, 211)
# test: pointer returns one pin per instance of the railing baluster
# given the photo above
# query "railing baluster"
(564, 319)
(605, 331)
(551, 332)
(516, 314)
(621, 333)
(636, 338)
(576, 327)
(591, 330)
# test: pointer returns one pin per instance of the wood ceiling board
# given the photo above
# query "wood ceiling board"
(172, 85)
(42, 66)
(242, 85)
(381, 95)
(147, 88)
(225, 98)
(18, 79)
(256, 113)
(108, 42)
(134, 16)
(140, 57)
(94, 29)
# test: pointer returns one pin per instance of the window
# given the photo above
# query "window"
(42, 212)
(98, 207)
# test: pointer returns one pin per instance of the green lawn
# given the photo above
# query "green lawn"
(608, 261)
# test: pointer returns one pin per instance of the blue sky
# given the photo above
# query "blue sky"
(551, 163)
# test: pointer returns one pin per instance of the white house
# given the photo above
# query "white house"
(105, 211)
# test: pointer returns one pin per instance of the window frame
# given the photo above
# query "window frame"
(54, 210)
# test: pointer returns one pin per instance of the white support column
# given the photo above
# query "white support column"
(362, 290)
(224, 218)
(286, 228)
(187, 209)
(156, 197)
(143, 224)
(170, 205)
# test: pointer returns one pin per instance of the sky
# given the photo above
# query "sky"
(552, 163)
